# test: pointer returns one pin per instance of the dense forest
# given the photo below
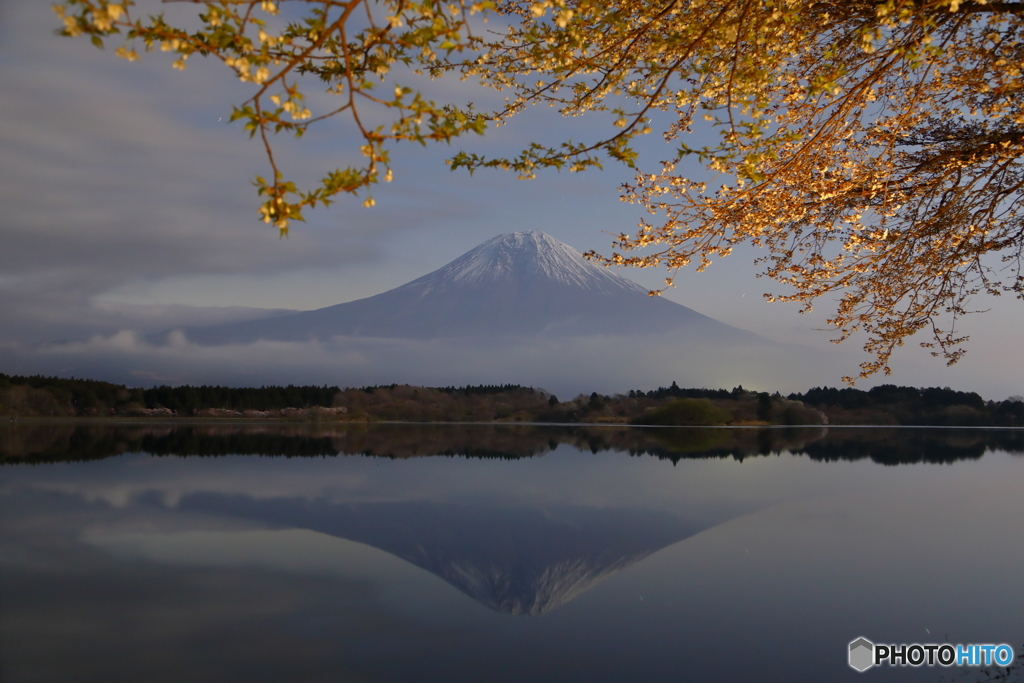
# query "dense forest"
(38, 396)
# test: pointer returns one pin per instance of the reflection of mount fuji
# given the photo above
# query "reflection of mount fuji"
(512, 559)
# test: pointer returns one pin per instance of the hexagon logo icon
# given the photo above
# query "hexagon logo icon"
(862, 654)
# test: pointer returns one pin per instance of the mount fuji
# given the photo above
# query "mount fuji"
(522, 284)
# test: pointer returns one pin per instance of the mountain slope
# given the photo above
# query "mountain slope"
(524, 283)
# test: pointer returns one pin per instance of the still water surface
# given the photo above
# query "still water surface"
(500, 553)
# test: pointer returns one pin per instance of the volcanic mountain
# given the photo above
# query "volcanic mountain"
(519, 284)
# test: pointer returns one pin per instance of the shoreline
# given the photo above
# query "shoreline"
(210, 421)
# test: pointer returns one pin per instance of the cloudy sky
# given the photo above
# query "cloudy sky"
(128, 208)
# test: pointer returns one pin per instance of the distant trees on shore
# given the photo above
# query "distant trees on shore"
(38, 396)
(894, 405)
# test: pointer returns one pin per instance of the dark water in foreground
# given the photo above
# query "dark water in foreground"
(501, 553)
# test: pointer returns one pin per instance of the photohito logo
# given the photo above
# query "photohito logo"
(863, 654)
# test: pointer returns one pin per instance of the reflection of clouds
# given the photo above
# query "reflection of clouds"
(99, 620)
(169, 492)
(893, 552)
(288, 550)
(699, 490)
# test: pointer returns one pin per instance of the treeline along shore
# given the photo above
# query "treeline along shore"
(38, 396)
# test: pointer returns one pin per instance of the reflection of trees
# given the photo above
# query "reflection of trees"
(68, 442)
(41, 442)
(905, 446)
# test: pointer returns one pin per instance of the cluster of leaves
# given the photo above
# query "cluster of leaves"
(353, 49)
(871, 149)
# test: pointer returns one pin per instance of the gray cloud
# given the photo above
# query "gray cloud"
(566, 366)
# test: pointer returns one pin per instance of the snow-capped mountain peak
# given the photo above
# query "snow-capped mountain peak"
(526, 256)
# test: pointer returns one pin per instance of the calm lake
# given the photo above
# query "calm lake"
(448, 553)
